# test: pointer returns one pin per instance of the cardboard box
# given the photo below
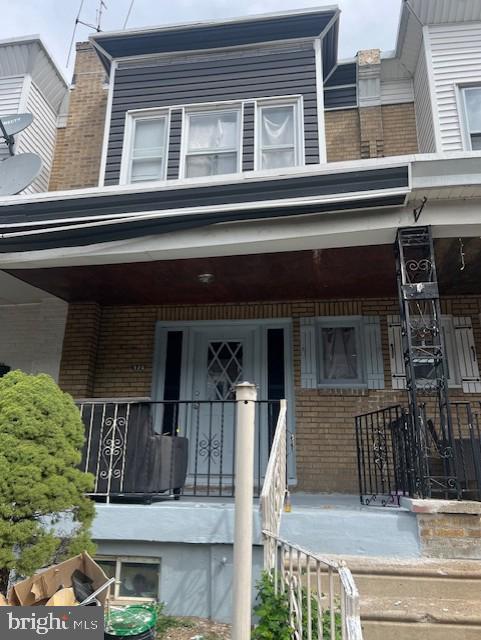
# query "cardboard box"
(38, 589)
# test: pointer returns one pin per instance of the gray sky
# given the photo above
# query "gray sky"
(364, 23)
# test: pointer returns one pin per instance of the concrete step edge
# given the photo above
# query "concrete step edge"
(418, 610)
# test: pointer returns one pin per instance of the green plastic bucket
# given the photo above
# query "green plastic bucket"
(132, 621)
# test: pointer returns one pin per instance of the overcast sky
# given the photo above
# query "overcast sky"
(365, 24)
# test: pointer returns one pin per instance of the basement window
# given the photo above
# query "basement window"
(472, 116)
(135, 578)
(145, 150)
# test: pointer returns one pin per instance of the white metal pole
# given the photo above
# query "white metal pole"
(246, 395)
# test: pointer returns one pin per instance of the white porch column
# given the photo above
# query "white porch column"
(246, 395)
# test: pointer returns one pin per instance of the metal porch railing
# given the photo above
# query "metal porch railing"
(396, 458)
(120, 435)
(322, 596)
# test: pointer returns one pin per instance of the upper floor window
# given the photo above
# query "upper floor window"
(472, 108)
(147, 149)
(212, 143)
(278, 135)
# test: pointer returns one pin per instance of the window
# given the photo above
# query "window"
(212, 143)
(147, 157)
(278, 136)
(136, 578)
(472, 109)
(341, 352)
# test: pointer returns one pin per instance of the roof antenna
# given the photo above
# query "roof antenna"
(128, 14)
(78, 21)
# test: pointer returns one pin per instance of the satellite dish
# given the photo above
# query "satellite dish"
(15, 123)
(17, 172)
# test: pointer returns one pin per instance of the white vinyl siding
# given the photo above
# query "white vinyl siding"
(39, 137)
(10, 96)
(423, 107)
(456, 60)
(397, 91)
(368, 352)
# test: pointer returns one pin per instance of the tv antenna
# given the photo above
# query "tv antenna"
(97, 26)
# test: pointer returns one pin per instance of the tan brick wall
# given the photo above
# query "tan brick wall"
(450, 535)
(372, 135)
(343, 137)
(78, 150)
(79, 353)
(325, 442)
(399, 126)
(370, 132)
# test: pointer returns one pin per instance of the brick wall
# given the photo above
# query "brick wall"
(399, 127)
(78, 150)
(343, 135)
(111, 355)
(370, 132)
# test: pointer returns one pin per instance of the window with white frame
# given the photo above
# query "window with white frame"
(212, 143)
(341, 351)
(278, 136)
(147, 149)
(135, 578)
(472, 115)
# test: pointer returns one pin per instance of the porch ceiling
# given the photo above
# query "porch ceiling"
(351, 272)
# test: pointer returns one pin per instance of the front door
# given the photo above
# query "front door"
(223, 357)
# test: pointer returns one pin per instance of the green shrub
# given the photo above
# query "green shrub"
(41, 439)
(273, 613)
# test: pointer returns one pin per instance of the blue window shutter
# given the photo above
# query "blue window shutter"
(373, 352)
(308, 353)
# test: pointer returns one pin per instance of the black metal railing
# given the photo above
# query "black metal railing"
(142, 449)
(397, 458)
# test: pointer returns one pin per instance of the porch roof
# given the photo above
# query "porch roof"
(87, 217)
(347, 272)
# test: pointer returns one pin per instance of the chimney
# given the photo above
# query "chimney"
(370, 113)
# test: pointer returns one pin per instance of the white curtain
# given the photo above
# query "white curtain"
(212, 131)
(339, 350)
(277, 137)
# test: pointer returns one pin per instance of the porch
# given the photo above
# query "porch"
(155, 339)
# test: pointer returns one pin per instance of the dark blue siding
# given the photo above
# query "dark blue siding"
(286, 72)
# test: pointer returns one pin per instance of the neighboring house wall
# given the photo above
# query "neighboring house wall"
(76, 162)
(10, 97)
(31, 336)
(39, 137)
(343, 135)
(213, 78)
(423, 106)
(115, 352)
(456, 59)
(397, 91)
(399, 129)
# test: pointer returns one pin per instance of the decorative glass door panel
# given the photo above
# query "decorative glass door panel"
(223, 357)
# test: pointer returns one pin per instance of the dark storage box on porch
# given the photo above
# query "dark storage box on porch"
(126, 454)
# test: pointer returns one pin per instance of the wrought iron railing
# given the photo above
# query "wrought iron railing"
(321, 594)
(131, 442)
(398, 458)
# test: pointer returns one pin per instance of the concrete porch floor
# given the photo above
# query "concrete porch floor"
(323, 523)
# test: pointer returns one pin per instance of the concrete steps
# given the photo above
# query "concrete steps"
(419, 599)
